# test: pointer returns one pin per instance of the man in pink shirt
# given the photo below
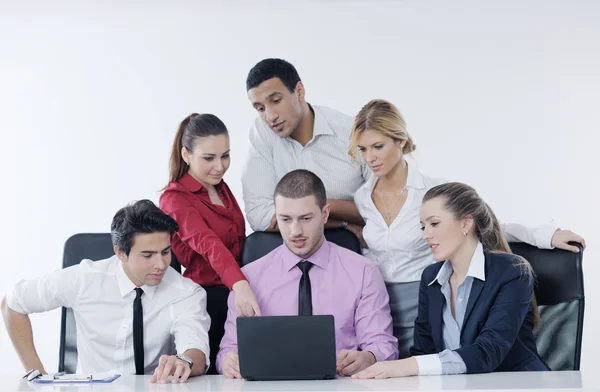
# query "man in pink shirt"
(309, 275)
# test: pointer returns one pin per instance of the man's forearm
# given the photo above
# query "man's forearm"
(333, 224)
(259, 213)
(199, 361)
(19, 330)
(345, 210)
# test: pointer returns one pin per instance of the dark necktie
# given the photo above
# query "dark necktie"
(138, 331)
(304, 293)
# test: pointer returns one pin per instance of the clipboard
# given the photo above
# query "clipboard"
(61, 378)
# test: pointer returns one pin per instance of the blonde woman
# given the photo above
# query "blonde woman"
(390, 201)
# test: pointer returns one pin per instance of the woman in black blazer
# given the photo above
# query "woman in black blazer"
(476, 310)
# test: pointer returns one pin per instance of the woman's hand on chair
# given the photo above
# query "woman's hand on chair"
(561, 239)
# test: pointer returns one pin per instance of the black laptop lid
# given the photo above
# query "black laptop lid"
(286, 347)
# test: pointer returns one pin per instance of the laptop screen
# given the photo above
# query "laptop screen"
(287, 347)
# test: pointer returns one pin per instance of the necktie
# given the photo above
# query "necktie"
(304, 293)
(138, 331)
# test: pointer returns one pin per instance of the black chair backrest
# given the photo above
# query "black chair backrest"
(95, 246)
(260, 243)
(561, 301)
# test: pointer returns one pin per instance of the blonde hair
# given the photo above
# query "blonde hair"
(380, 116)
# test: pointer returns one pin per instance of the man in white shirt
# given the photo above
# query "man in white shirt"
(132, 311)
(290, 134)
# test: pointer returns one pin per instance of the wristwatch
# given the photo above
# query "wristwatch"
(344, 224)
(187, 359)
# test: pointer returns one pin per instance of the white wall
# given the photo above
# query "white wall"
(499, 94)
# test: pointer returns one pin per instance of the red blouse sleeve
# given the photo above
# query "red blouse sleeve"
(196, 234)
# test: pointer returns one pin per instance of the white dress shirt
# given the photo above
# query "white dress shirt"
(399, 249)
(101, 296)
(326, 154)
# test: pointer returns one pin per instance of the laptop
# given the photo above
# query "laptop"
(287, 347)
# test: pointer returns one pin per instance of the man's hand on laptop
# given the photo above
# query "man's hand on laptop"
(245, 300)
(352, 361)
(231, 365)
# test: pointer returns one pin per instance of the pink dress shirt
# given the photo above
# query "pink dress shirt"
(344, 284)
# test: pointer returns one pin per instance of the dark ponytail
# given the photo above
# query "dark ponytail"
(462, 200)
(192, 127)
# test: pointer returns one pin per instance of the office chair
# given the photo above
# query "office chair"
(96, 246)
(561, 301)
(260, 243)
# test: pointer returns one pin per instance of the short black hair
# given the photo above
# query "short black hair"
(140, 217)
(273, 68)
(301, 183)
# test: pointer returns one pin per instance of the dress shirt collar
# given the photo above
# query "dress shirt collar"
(321, 126)
(476, 268)
(192, 185)
(126, 286)
(320, 258)
(414, 179)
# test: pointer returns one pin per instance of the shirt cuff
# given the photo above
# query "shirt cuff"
(429, 365)
(231, 276)
(452, 362)
(205, 351)
(383, 351)
(543, 236)
(379, 356)
(219, 359)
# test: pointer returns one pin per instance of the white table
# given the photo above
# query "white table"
(513, 382)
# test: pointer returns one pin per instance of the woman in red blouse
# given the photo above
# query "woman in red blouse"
(211, 225)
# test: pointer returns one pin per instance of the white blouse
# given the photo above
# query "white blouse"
(399, 250)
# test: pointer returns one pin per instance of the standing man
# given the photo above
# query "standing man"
(290, 134)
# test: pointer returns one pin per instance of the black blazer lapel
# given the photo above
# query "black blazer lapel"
(436, 310)
(475, 291)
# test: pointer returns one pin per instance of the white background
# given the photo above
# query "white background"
(500, 94)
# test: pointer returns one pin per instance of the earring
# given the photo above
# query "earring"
(464, 232)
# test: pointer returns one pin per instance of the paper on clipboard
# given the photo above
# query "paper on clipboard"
(104, 377)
